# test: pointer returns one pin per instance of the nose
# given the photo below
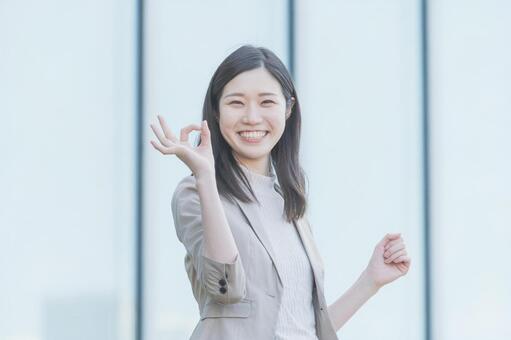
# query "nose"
(252, 115)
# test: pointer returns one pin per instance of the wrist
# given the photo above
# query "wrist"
(368, 284)
(205, 176)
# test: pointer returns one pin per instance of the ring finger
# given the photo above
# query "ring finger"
(393, 249)
(402, 258)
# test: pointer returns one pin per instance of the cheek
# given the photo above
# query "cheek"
(278, 121)
(226, 122)
(226, 133)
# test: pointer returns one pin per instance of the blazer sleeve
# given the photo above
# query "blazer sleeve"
(224, 282)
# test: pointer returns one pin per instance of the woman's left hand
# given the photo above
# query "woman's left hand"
(389, 261)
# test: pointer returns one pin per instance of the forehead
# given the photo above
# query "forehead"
(255, 81)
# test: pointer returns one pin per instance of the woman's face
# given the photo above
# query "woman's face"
(252, 116)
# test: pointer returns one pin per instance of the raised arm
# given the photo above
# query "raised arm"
(388, 262)
(345, 306)
(199, 217)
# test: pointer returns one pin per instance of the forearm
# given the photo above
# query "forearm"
(344, 307)
(219, 243)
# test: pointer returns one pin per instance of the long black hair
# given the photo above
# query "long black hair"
(284, 155)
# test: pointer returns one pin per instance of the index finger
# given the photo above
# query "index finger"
(186, 131)
(168, 133)
(394, 236)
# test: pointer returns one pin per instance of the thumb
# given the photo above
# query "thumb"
(205, 133)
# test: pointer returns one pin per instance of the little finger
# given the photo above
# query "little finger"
(163, 149)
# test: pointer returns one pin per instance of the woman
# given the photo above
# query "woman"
(251, 258)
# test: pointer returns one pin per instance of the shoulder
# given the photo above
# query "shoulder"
(186, 183)
(185, 191)
(186, 195)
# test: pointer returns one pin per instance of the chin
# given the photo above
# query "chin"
(251, 154)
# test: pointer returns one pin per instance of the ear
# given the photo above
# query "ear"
(289, 106)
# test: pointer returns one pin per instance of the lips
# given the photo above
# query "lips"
(254, 137)
(252, 131)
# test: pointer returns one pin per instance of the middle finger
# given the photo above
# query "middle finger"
(163, 140)
(168, 133)
(393, 249)
(391, 243)
(396, 255)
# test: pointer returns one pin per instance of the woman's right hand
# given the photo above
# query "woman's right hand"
(199, 159)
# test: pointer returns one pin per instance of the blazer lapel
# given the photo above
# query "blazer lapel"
(304, 231)
(302, 225)
(255, 223)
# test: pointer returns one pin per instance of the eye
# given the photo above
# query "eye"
(268, 101)
(237, 102)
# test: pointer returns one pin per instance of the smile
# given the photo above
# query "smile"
(252, 136)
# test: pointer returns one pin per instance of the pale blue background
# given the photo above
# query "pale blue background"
(67, 174)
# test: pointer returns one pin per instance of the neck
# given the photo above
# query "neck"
(259, 166)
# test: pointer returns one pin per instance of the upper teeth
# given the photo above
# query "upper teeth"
(253, 134)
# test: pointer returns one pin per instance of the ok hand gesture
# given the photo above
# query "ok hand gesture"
(199, 159)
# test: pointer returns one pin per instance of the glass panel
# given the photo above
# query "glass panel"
(358, 74)
(471, 186)
(66, 202)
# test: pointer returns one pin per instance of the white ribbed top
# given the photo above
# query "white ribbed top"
(296, 319)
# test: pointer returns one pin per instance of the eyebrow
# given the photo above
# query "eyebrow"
(242, 95)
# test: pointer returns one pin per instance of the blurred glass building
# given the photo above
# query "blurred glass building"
(406, 116)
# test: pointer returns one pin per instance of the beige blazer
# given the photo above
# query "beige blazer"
(240, 300)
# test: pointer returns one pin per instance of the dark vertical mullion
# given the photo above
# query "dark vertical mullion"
(139, 123)
(426, 167)
(291, 36)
